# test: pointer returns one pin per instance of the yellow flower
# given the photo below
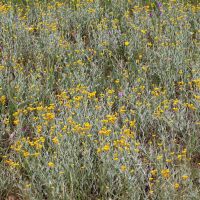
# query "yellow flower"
(165, 173)
(105, 131)
(123, 168)
(106, 147)
(115, 158)
(87, 126)
(1, 67)
(3, 99)
(91, 10)
(168, 160)
(55, 140)
(111, 118)
(99, 150)
(91, 95)
(185, 177)
(176, 186)
(51, 164)
(154, 172)
(126, 43)
(48, 116)
(28, 185)
(26, 154)
(179, 157)
(117, 81)
(122, 110)
(159, 157)
(16, 122)
(151, 192)
(143, 31)
(132, 123)
(11, 163)
(137, 150)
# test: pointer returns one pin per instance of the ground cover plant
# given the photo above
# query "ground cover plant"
(99, 99)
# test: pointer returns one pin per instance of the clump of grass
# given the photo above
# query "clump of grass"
(99, 99)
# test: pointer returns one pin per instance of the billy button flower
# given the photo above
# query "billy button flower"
(87, 126)
(26, 154)
(111, 118)
(128, 132)
(176, 186)
(151, 178)
(121, 143)
(77, 98)
(115, 157)
(51, 107)
(154, 172)
(184, 152)
(51, 164)
(123, 168)
(132, 123)
(126, 43)
(91, 95)
(48, 116)
(106, 147)
(185, 177)
(55, 140)
(3, 100)
(165, 173)
(110, 92)
(39, 129)
(122, 110)
(11, 163)
(190, 106)
(16, 122)
(168, 160)
(17, 147)
(99, 150)
(117, 81)
(2, 67)
(156, 92)
(104, 131)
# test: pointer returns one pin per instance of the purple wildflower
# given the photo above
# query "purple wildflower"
(159, 4)
(120, 94)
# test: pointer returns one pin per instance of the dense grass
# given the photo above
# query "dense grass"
(99, 99)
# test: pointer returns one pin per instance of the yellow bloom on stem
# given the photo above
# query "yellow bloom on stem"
(3, 99)
(185, 177)
(126, 43)
(154, 172)
(165, 173)
(26, 154)
(105, 131)
(48, 116)
(150, 178)
(51, 164)
(176, 186)
(87, 126)
(132, 123)
(106, 147)
(123, 168)
(55, 140)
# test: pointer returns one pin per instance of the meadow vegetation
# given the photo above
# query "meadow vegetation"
(99, 99)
